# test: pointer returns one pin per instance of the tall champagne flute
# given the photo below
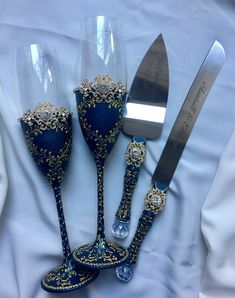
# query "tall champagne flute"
(100, 102)
(47, 128)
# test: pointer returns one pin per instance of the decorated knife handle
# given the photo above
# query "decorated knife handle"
(144, 224)
(155, 201)
(135, 155)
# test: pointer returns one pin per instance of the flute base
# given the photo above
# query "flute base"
(100, 255)
(125, 272)
(67, 277)
(120, 229)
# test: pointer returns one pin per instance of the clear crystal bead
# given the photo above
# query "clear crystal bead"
(120, 229)
(124, 272)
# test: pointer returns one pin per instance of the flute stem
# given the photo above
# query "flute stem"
(63, 230)
(100, 215)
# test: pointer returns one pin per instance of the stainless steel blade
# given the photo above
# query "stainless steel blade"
(188, 114)
(147, 99)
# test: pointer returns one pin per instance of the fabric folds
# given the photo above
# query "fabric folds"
(218, 227)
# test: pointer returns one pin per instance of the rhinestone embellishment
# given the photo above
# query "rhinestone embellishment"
(135, 154)
(46, 116)
(103, 84)
(102, 88)
(155, 200)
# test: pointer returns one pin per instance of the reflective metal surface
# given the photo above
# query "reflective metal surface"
(188, 114)
(147, 99)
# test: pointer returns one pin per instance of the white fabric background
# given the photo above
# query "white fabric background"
(3, 178)
(218, 229)
(174, 260)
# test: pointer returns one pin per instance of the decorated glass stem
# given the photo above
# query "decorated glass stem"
(47, 130)
(48, 135)
(100, 100)
(155, 201)
(100, 109)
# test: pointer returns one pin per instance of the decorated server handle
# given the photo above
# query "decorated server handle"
(135, 156)
(155, 201)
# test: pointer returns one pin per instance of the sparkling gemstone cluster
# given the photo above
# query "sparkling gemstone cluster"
(155, 200)
(46, 116)
(135, 154)
(102, 87)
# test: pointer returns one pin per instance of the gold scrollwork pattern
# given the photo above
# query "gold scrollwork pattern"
(100, 254)
(109, 98)
(130, 180)
(63, 230)
(47, 117)
(100, 190)
(62, 278)
(101, 152)
(145, 222)
(135, 154)
(155, 201)
(101, 90)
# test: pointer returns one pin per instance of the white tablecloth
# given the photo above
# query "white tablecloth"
(175, 260)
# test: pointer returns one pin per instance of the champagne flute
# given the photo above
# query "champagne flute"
(100, 101)
(47, 129)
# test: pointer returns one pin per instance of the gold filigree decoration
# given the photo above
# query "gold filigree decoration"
(155, 200)
(145, 222)
(60, 278)
(103, 89)
(44, 156)
(102, 142)
(135, 154)
(46, 116)
(130, 180)
(110, 97)
(100, 254)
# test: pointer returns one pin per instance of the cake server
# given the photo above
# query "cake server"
(143, 119)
